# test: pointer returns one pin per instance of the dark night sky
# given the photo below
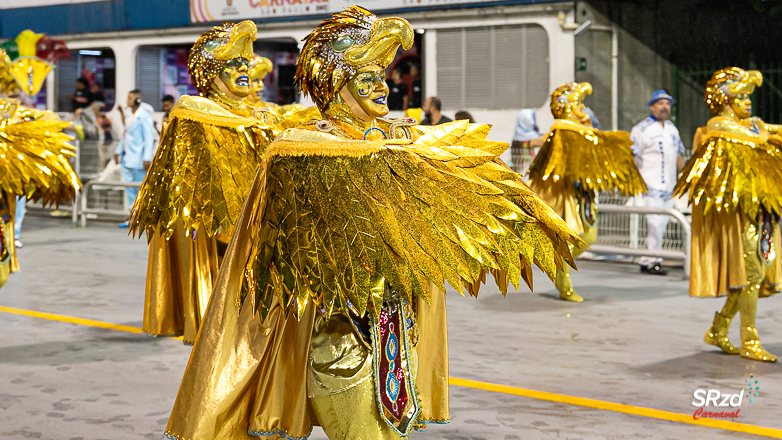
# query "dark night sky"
(696, 34)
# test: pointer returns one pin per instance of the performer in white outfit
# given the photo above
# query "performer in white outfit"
(658, 150)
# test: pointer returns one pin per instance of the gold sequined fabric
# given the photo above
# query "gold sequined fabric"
(202, 170)
(337, 217)
(733, 173)
(727, 256)
(596, 160)
(248, 378)
(34, 159)
(8, 261)
(734, 170)
(180, 277)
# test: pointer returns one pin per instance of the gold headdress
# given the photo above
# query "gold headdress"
(260, 66)
(566, 96)
(725, 84)
(216, 47)
(342, 44)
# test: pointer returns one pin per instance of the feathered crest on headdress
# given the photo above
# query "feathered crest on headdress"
(215, 48)
(566, 96)
(342, 44)
(725, 84)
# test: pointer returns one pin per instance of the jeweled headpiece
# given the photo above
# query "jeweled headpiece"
(215, 48)
(344, 43)
(725, 84)
(566, 96)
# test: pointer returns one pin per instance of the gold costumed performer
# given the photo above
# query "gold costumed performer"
(574, 164)
(734, 179)
(282, 116)
(193, 192)
(34, 163)
(329, 308)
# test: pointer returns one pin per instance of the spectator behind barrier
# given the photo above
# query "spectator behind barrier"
(432, 114)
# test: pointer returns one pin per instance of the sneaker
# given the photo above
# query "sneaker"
(123, 225)
(654, 269)
(18, 244)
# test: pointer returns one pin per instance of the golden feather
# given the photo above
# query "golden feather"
(335, 220)
(34, 161)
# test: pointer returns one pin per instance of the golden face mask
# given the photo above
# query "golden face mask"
(566, 101)
(344, 43)
(212, 51)
(235, 77)
(369, 89)
(732, 87)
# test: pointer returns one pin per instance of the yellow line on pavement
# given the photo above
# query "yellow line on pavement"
(505, 389)
(73, 320)
(618, 407)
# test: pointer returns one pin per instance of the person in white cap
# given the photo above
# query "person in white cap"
(658, 150)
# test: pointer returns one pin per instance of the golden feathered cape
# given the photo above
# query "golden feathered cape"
(327, 221)
(202, 171)
(730, 177)
(196, 185)
(34, 162)
(577, 154)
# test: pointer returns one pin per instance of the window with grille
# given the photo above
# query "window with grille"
(148, 75)
(501, 67)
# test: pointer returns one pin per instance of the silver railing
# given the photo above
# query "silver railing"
(92, 187)
(625, 240)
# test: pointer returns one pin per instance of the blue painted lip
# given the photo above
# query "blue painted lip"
(243, 80)
(380, 100)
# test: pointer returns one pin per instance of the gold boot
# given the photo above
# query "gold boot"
(750, 341)
(564, 286)
(717, 334)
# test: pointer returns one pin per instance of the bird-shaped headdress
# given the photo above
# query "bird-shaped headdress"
(725, 84)
(342, 44)
(567, 96)
(215, 48)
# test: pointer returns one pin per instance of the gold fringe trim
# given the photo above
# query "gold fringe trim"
(736, 138)
(212, 119)
(282, 147)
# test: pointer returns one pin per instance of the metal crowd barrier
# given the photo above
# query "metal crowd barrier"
(93, 185)
(625, 231)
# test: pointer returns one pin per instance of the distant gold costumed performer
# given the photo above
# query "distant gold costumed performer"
(34, 162)
(734, 179)
(193, 192)
(282, 116)
(329, 309)
(574, 164)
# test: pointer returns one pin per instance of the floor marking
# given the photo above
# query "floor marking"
(504, 389)
(73, 320)
(618, 407)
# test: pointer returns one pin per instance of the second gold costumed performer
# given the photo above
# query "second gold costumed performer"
(329, 309)
(194, 190)
(574, 164)
(734, 179)
(34, 162)
(282, 116)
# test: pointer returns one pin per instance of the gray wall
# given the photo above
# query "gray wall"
(641, 72)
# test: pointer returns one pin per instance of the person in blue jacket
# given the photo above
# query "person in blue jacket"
(135, 151)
